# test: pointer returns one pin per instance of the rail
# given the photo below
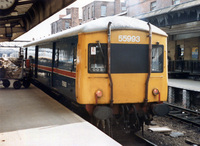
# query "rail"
(184, 66)
(186, 115)
(144, 141)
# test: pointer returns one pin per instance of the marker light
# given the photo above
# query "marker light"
(99, 93)
(155, 91)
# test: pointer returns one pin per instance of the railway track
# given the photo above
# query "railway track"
(143, 141)
(185, 115)
(127, 138)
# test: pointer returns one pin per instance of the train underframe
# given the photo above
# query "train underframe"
(131, 116)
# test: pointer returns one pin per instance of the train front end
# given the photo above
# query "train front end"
(122, 71)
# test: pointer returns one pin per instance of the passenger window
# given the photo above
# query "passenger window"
(74, 57)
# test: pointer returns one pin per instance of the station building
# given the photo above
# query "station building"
(92, 11)
(98, 9)
(71, 19)
(179, 19)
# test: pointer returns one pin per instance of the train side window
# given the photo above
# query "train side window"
(74, 57)
(97, 58)
(157, 59)
(64, 54)
(57, 57)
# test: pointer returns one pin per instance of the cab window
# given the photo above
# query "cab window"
(97, 58)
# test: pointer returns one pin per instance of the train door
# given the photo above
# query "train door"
(64, 66)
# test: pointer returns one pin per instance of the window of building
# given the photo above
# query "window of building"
(92, 16)
(153, 6)
(59, 27)
(67, 25)
(175, 2)
(103, 11)
(88, 12)
(56, 28)
(83, 15)
(123, 8)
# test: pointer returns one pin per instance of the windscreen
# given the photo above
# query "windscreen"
(125, 58)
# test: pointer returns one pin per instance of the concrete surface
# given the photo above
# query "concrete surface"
(185, 84)
(30, 117)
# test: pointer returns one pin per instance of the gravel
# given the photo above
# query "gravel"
(182, 134)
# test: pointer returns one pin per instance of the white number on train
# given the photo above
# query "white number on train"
(64, 84)
(128, 38)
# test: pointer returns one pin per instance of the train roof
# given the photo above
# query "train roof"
(101, 24)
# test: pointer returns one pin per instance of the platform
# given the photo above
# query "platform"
(185, 84)
(29, 117)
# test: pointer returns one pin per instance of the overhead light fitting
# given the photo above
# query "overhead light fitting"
(7, 25)
(14, 13)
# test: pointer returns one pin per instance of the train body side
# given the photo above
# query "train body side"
(54, 65)
(129, 64)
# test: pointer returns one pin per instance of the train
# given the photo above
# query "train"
(114, 66)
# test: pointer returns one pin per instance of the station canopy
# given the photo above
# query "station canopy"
(19, 16)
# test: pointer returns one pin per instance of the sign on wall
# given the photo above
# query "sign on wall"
(195, 53)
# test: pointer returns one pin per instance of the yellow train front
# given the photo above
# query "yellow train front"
(116, 70)
(117, 66)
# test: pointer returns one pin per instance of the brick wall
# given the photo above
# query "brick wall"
(187, 44)
(137, 7)
(117, 7)
(75, 16)
(95, 8)
(60, 24)
(92, 11)
(141, 7)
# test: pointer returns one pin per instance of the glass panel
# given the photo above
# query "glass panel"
(97, 58)
(67, 25)
(92, 12)
(45, 55)
(175, 2)
(153, 6)
(157, 59)
(88, 12)
(64, 55)
(83, 15)
(103, 10)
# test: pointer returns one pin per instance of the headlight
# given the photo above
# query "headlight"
(155, 91)
(99, 93)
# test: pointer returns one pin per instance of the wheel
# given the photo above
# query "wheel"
(26, 83)
(6, 83)
(17, 84)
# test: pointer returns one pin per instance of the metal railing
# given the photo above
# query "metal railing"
(184, 66)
